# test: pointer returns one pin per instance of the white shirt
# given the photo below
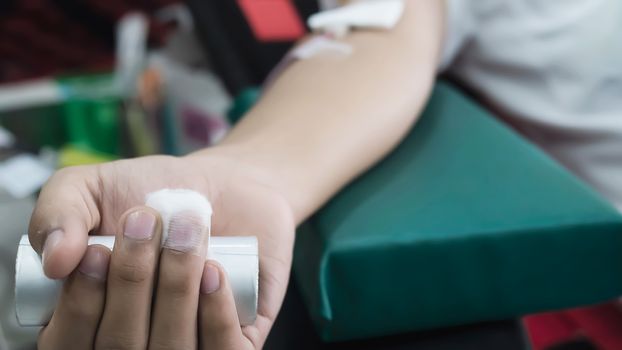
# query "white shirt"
(553, 70)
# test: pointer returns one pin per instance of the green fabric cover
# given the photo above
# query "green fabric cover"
(465, 221)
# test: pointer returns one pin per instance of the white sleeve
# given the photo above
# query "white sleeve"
(460, 26)
(460, 23)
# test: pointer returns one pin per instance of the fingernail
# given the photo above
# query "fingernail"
(210, 282)
(186, 233)
(94, 264)
(139, 225)
(51, 241)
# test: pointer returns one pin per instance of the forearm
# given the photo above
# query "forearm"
(327, 119)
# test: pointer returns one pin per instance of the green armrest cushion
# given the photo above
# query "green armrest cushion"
(464, 222)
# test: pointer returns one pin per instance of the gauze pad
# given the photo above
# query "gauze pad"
(372, 14)
(320, 44)
(175, 205)
(36, 295)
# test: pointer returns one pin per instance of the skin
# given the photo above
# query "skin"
(320, 124)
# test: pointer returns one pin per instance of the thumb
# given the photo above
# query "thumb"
(64, 214)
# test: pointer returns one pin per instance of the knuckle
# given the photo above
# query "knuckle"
(78, 308)
(64, 174)
(223, 326)
(115, 341)
(217, 325)
(77, 305)
(70, 171)
(132, 272)
(176, 285)
(72, 175)
(166, 344)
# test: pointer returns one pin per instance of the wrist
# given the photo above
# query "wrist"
(245, 163)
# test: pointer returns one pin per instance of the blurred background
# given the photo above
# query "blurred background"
(88, 81)
(101, 80)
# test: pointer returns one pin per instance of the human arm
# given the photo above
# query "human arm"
(322, 123)
(327, 119)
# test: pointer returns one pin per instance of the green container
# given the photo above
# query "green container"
(94, 124)
(86, 115)
(464, 222)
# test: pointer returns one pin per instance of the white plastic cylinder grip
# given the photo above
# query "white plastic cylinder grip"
(36, 295)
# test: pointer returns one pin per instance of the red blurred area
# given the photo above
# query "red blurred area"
(273, 20)
(50, 37)
(600, 325)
